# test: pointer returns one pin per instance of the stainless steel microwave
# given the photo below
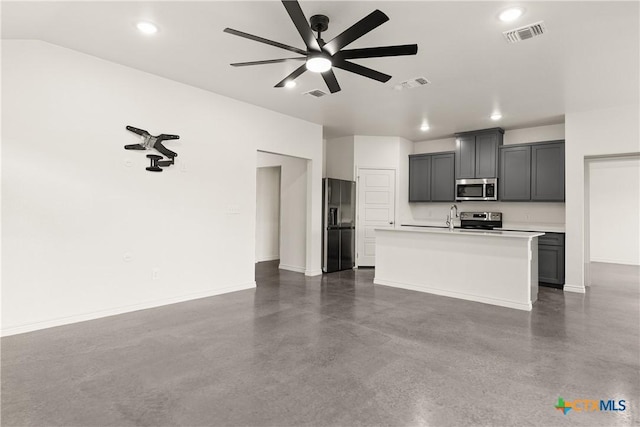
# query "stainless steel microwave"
(477, 189)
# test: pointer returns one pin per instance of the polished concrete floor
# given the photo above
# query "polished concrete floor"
(335, 351)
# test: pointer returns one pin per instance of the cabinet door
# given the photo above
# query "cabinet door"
(487, 156)
(514, 181)
(442, 178)
(420, 178)
(551, 264)
(547, 172)
(466, 157)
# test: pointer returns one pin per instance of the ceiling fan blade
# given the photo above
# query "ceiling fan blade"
(331, 81)
(300, 21)
(378, 52)
(268, 61)
(359, 69)
(301, 69)
(265, 41)
(357, 30)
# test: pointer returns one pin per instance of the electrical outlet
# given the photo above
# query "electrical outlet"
(155, 274)
(127, 257)
(233, 210)
(526, 217)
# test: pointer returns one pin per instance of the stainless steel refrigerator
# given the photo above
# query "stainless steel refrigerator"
(339, 225)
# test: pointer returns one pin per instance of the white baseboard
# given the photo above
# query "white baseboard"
(312, 273)
(291, 268)
(268, 258)
(13, 330)
(445, 293)
(615, 261)
(574, 288)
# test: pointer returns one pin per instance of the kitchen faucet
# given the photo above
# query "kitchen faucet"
(450, 218)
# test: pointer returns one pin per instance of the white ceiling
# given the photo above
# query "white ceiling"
(588, 59)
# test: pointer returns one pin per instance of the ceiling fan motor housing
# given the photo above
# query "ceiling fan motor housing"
(319, 23)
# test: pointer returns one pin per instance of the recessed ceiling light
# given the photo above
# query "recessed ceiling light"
(496, 116)
(290, 83)
(318, 64)
(147, 27)
(424, 127)
(511, 14)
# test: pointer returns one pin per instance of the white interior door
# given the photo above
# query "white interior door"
(376, 209)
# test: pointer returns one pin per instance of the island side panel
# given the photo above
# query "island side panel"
(490, 269)
(534, 270)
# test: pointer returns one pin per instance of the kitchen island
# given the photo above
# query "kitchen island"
(493, 267)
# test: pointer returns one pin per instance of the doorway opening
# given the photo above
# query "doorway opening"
(268, 213)
(612, 209)
(281, 210)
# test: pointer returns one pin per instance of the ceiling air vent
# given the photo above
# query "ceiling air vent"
(316, 93)
(526, 32)
(412, 83)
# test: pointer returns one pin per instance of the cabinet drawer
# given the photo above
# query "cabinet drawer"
(551, 239)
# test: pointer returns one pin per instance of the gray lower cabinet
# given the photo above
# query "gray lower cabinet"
(432, 177)
(551, 260)
(477, 153)
(532, 172)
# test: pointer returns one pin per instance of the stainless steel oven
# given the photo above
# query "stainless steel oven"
(477, 189)
(481, 220)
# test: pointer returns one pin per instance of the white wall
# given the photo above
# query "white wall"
(379, 152)
(375, 151)
(534, 134)
(86, 235)
(515, 214)
(614, 210)
(434, 146)
(339, 158)
(268, 213)
(591, 133)
(293, 210)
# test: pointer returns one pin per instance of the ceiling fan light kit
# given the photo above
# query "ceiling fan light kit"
(320, 56)
(318, 64)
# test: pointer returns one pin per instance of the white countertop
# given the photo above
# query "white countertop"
(508, 226)
(468, 232)
(523, 226)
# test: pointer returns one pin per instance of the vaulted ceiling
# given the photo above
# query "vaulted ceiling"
(587, 59)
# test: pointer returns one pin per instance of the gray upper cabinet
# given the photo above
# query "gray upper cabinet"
(515, 173)
(420, 178)
(466, 157)
(487, 155)
(443, 177)
(477, 153)
(547, 172)
(431, 177)
(532, 172)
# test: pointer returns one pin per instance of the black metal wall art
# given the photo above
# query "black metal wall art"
(154, 142)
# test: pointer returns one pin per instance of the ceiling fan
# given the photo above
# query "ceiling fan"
(321, 56)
